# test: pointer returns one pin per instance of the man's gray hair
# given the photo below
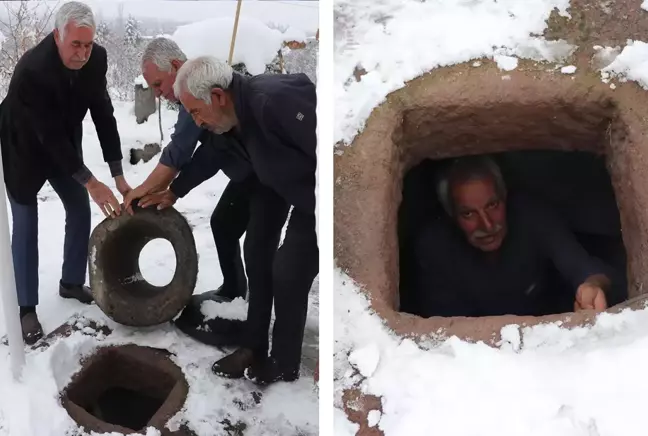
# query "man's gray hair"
(202, 74)
(78, 13)
(161, 51)
(465, 169)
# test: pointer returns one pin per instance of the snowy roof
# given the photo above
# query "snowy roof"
(256, 44)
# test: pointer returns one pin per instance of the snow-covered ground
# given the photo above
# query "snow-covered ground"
(544, 380)
(32, 408)
(580, 382)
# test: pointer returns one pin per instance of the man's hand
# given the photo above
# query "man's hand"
(103, 196)
(135, 194)
(590, 297)
(163, 200)
(122, 185)
(159, 179)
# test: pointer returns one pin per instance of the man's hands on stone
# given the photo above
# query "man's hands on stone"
(156, 182)
(590, 295)
(163, 199)
(104, 197)
(133, 195)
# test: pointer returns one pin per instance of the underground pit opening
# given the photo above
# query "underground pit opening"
(125, 389)
(574, 185)
(447, 116)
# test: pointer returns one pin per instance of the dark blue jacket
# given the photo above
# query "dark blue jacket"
(276, 137)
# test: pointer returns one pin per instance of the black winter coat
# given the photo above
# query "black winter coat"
(276, 135)
(41, 119)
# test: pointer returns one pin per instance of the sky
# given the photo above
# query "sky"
(303, 15)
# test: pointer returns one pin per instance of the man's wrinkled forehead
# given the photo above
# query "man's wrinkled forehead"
(78, 35)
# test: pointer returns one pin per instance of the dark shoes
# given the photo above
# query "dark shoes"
(270, 372)
(230, 292)
(32, 330)
(244, 363)
(78, 292)
(234, 365)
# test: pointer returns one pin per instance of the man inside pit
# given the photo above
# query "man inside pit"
(489, 254)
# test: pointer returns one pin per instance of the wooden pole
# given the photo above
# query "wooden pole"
(236, 20)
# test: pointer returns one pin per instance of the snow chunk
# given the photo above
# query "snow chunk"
(365, 359)
(612, 86)
(644, 5)
(539, 49)
(373, 418)
(604, 56)
(506, 63)
(476, 64)
(511, 335)
(256, 44)
(294, 34)
(139, 80)
(570, 69)
(631, 64)
(235, 310)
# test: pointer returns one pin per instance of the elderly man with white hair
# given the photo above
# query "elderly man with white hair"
(52, 87)
(161, 60)
(271, 121)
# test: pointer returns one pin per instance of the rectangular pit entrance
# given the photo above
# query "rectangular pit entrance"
(440, 117)
(126, 389)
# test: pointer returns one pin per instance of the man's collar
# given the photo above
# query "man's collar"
(237, 90)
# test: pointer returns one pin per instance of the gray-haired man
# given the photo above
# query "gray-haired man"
(161, 61)
(271, 121)
(489, 255)
(53, 86)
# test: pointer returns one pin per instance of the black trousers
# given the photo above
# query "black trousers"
(283, 277)
(228, 223)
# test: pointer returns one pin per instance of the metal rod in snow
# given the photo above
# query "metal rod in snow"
(236, 20)
(8, 284)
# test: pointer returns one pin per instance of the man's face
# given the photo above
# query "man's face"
(216, 117)
(76, 47)
(480, 213)
(161, 81)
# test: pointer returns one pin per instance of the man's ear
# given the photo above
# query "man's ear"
(176, 64)
(220, 96)
(56, 36)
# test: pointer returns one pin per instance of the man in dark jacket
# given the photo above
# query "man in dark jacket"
(490, 255)
(161, 61)
(271, 120)
(53, 86)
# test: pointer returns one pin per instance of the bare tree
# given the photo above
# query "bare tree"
(25, 25)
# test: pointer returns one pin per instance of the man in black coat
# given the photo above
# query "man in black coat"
(53, 86)
(271, 122)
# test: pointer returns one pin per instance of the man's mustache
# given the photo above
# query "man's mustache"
(486, 234)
